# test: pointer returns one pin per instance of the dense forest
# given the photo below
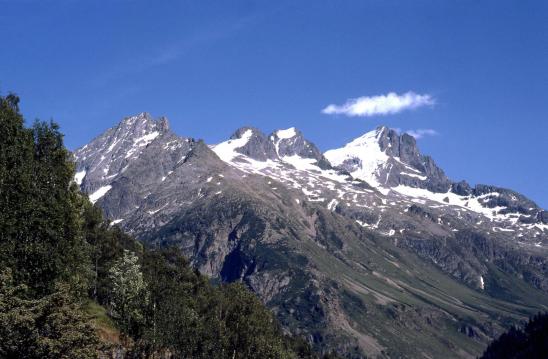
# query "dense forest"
(73, 286)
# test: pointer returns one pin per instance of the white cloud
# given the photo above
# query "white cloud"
(390, 103)
(420, 133)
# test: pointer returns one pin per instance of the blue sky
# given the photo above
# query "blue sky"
(213, 66)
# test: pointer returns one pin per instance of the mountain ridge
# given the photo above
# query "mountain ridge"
(272, 212)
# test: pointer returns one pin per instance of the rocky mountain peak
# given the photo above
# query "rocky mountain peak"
(280, 144)
(109, 156)
(142, 124)
(163, 124)
(291, 142)
(384, 158)
(245, 132)
(287, 142)
(390, 141)
(253, 143)
(387, 138)
(128, 136)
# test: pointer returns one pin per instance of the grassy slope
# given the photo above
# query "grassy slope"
(105, 326)
(381, 283)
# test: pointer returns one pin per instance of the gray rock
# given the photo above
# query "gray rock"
(259, 146)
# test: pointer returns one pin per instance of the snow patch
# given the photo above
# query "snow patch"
(79, 177)
(157, 210)
(422, 178)
(301, 163)
(367, 151)
(285, 134)
(99, 193)
(361, 223)
(227, 150)
(146, 139)
(449, 198)
(500, 229)
(332, 205)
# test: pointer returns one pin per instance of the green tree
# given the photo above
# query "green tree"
(40, 228)
(52, 326)
(43, 255)
(129, 292)
(244, 327)
(107, 244)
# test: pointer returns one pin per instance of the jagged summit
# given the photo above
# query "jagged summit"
(287, 133)
(385, 159)
(286, 144)
(139, 129)
(253, 143)
(379, 134)
(107, 157)
(291, 142)
(380, 162)
(143, 121)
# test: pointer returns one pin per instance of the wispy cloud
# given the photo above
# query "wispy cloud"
(132, 65)
(420, 133)
(390, 103)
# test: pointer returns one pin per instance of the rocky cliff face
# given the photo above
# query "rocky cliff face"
(368, 249)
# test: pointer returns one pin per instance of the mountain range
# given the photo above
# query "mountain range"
(369, 249)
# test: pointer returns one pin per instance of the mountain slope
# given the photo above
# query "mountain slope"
(375, 253)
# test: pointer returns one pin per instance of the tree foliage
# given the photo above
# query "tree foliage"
(52, 326)
(43, 255)
(129, 294)
(40, 230)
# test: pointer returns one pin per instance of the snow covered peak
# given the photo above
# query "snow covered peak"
(385, 159)
(368, 139)
(286, 134)
(227, 150)
(362, 157)
(247, 135)
(243, 132)
(256, 144)
(282, 146)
